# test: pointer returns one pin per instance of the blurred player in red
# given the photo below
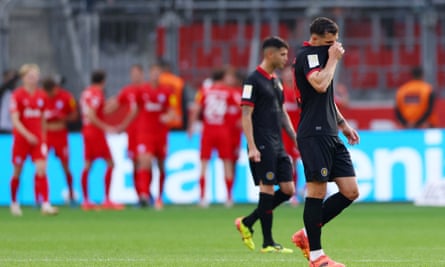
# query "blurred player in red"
(128, 97)
(61, 108)
(156, 110)
(234, 80)
(27, 107)
(92, 103)
(292, 106)
(213, 102)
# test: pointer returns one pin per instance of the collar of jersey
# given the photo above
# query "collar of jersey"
(264, 73)
(306, 43)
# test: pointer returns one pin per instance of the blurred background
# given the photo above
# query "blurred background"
(384, 41)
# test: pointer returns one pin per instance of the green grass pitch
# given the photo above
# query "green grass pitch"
(364, 235)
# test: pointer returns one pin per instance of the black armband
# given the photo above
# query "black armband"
(340, 121)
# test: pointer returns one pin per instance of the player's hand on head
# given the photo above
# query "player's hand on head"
(336, 50)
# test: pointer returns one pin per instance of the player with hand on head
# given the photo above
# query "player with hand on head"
(325, 157)
(61, 109)
(27, 107)
(92, 102)
(263, 118)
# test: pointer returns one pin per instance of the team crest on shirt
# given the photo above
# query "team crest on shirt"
(313, 60)
(270, 176)
(40, 102)
(59, 104)
(161, 98)
(324, 172)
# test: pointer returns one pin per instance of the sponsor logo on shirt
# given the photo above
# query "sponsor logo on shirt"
(247, 91)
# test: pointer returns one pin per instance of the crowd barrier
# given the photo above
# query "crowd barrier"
(390, 166)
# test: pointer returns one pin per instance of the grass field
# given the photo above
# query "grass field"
(365, 235)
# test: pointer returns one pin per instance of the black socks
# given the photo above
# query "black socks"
(312, 217)
(265, 212)
(333, 206)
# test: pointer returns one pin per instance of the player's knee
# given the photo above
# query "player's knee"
(351, 194)
(288, 190)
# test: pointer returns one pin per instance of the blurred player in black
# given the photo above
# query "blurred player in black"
(325, 157)
(263, 117)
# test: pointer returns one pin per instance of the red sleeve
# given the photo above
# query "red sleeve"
(14, 105)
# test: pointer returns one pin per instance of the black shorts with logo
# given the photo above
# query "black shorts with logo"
(275, 167)
(325, 158)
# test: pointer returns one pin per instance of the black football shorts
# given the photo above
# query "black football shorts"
(275, 167)
(325, 158)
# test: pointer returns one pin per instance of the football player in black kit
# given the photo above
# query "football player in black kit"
(325, 157)
(263, 118)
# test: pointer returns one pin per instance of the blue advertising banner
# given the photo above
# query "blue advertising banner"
(390, 166)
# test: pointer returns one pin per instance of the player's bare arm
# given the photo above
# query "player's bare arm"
(246, 120)
(287, 126)
(129, 117)
(195, 110)
(111, 105)
(320, 80)
(18, 125)
(347, 130)
(92, 117)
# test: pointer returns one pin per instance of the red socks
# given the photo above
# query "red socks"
(202, 186)
(143, 182)
(14, 188)
(108, 176)
(41, 188)
(229, 186)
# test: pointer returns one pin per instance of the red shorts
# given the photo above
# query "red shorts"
(96, 146)
(289, 146)
(216, 139)
(21, 149)
(154, 145)
(132, 145)
(58, 140)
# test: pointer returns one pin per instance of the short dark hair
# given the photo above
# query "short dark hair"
(417, 72)
(322, 25)
(218, 74)
(274, 41)
(48, 84)
(98, 76)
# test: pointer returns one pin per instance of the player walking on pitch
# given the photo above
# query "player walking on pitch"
(28, 104)
(263, 117)
(324, 156)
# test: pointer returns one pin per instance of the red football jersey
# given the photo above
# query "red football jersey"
(129, 96)
(92, 98)
(153, 103)
(31, 107)
(215, 102)
(234, 110)
(60, 105)
(291, 100)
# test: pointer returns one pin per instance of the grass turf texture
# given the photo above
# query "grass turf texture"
(365, 235)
